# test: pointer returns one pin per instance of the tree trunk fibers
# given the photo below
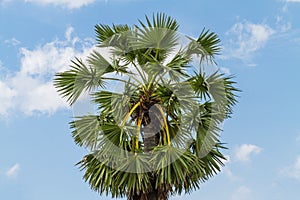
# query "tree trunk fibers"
(151, 139)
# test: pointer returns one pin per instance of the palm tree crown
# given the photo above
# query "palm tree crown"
(159, 135)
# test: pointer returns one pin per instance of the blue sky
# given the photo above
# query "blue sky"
(261, 46)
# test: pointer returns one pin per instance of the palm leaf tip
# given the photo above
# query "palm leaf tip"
(210, 42)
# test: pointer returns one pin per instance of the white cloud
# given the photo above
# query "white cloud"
(293, 171)
(226, 169)
(30, 90)
(12, 41)
(178, 197)
(225, 70)
(50, 57)
(228, 172)
(69, 32)
(251, 65)
(71, 4)
(243, 152)
(282, 24)
(246, 39)
(36, 96)
(228, 159)
(292, 1)
(242, 193)
(6, 96)
(13, 171)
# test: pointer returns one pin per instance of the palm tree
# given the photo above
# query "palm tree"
(159, 135)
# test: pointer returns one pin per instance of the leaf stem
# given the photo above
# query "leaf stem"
(129, 113)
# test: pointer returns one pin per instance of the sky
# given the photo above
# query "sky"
(261, 47)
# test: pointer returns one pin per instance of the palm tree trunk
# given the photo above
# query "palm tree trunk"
(151, 139)
(151, 135)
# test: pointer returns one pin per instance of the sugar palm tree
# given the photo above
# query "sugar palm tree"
(159, 135)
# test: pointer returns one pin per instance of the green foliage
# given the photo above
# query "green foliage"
(161, 133)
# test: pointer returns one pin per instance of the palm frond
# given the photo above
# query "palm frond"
(210, 42)
(217, 88)
(212, 161)
(94, 132)
(178, 66)
(200, 86)
(111, 102)
(110, 36)
(99, 63)
(99, 175)
(103, 32)
(207, 46)
(158, 37)
(163, 21)
(79, 78)
(86, 130)
(222, 90)
(119, 180)
(177, 170)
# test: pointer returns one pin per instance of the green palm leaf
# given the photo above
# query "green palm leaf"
(72, 83)
(207, 46)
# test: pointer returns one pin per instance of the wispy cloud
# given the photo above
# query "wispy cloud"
(246, 38)
(242, 193)
(6, 95)
(226, 169)
(71, 4)
(13, 171)
(282, 25)
(225, 70)
(30, 90)
(293, 171)
(245, 151)
(68, 4)
(298, 1)
(12, 41)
